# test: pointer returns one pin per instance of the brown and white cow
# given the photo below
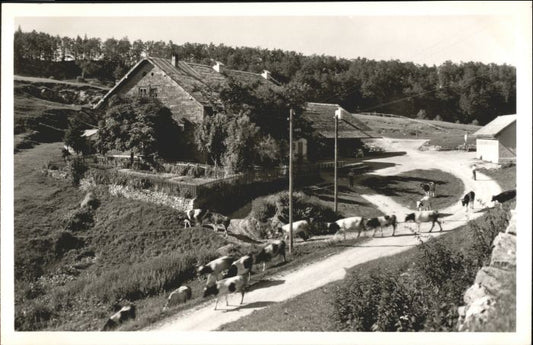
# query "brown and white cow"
(227, 286)
(424, 217)
(124, 314)
(270, 251)
(348, 224)
(216, 267)
(382, 221)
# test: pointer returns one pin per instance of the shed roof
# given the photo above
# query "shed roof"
(321, 117)
(89, 132)
(493, 128)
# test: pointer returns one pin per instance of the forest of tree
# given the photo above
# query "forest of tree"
(463, 92)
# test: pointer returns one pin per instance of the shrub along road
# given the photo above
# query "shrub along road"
(292, 283)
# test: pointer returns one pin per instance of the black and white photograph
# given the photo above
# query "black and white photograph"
(254, 173)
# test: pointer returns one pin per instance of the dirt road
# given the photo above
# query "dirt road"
(289, 284)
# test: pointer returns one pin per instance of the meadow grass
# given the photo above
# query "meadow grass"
(505, 176)
(405, 188)
(448, 135)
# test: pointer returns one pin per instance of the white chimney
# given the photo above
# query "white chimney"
(218, 66)
(339, 112)
(175, 59)
(266, 74)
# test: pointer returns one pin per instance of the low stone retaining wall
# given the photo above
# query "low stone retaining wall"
(493, 283)
(159, 198)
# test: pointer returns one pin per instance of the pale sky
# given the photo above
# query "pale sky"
(484, 36)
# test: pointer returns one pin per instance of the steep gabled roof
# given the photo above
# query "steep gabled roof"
(120, 83)
(202, 82)
(493, 128)
(321, 116)
(185, 77)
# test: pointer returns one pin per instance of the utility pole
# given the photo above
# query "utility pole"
(337, 117)
(290, 180)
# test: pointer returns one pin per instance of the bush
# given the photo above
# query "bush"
(65, 241)
(33, 318)
(422, 114)
(80, 219)
(304, 206)
(263, 209)
(376, 302)
(78, 167)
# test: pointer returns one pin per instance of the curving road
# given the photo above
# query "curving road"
(292, 283)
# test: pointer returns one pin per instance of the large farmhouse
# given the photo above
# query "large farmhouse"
(189, 90)
(496, 141)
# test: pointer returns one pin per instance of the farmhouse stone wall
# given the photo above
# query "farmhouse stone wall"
(181, 104)
(492, 284)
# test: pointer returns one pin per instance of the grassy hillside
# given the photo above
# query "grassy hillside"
(43, 107)
(445, 134)
(132, 250)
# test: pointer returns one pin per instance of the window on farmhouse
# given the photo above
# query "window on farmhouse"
(143, 92)
(153, 92)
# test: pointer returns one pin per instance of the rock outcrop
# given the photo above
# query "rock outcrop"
(493, 283)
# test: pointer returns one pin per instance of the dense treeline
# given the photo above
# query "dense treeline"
(465, 92)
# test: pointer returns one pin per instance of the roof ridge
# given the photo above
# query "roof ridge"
(198, 64)
(238, 70)
(338, 105)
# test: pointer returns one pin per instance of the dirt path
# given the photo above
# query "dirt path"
(290, 284)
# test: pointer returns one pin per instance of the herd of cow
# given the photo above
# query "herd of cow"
(227, 274)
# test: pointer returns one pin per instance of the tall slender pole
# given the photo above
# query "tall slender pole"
(336, 160)
(290, 180)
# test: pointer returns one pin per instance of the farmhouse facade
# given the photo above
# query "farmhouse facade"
(189, 90)
(496, 141)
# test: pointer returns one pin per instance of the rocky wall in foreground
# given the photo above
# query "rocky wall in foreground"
(494, 284)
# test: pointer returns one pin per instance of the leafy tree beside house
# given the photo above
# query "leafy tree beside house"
(142, 126)
(252, 129)
(235, 142)
(210, 137)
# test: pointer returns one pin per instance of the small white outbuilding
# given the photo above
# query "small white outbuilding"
(496, 141)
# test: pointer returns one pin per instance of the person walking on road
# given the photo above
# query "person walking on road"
(474, 168)
(351, 176)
